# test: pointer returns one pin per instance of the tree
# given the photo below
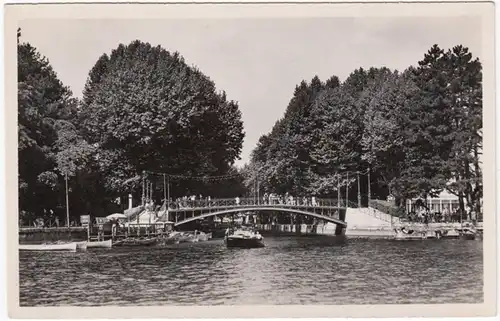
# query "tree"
(339, 116)
(427, 146)
(384, 126)
(42, 101)
(282, 157)
(465, 92)
(331, 152)
(96, 75)
(147, 110)
(418, 132)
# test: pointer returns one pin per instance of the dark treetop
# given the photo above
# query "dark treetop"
(419, 132)
(143, 108)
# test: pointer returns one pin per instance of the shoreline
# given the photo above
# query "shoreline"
(78, 234)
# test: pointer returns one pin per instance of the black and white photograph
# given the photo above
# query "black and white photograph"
(234, 157)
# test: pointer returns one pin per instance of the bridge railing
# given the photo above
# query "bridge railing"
(251, 201)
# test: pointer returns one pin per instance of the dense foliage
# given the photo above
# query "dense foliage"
(45, 114)
(147, 109)
(418, 132)
(142, 109)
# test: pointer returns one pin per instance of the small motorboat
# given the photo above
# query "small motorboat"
(446, 234)
(243, 238)
(203, 237)
(49, 247)
(467, 233)
(136, 242)
(102, 244)
(403, 234)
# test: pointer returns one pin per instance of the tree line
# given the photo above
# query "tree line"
(143, 109)
(418, 132)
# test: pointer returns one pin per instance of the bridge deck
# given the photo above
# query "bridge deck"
(277, 206)
(216, 204)
(329, 216)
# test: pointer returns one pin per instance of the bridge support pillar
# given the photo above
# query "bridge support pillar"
(340, 230)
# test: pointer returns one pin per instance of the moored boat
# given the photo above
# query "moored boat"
(243, 238)
(403, 234)
(446, 234)
(136, 242)
(203, 237)
(467, 234)
(49, 247)
(102, 244)
(467, 231)
(81, 246)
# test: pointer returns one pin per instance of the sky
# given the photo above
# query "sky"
(258, 62)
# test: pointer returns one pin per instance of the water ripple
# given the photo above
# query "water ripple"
(289, 270)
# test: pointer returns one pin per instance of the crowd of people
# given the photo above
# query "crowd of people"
(49, 219)
(423, 215)
(195, 201)
(287, 199)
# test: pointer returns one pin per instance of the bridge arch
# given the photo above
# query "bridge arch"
(330, 219)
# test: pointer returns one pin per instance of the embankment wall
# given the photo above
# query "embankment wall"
(53, 234)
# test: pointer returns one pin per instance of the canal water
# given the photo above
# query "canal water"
(289, 270)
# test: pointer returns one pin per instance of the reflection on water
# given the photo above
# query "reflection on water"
(289, 270)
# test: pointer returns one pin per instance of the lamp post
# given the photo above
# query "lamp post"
(369, 188)
(347, 191)
(165, 189)
(257, 185)
(255, 188)
(359, 191)
(67, 199)
(338, 190)
(258, 191)
(143, 189)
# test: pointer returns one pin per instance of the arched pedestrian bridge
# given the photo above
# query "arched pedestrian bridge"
(327, 210)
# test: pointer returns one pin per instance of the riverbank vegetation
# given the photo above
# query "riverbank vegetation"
(418, 132)
(143, 108)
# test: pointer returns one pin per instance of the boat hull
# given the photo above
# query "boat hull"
(409, 237)
(467, 236)
(81, 246)
(100, 244)
(246, 243)
(467, 233)
(135, 242)
(71, 247)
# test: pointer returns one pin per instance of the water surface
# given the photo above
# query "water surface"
(289, 270)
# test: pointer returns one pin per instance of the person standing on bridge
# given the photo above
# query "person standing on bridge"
(237, 199)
